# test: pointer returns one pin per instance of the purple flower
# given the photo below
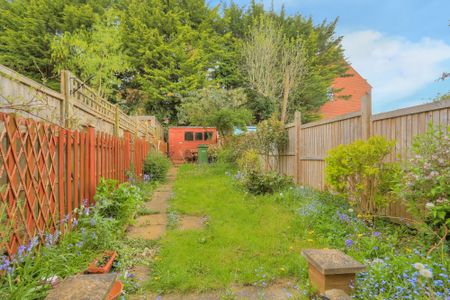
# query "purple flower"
(21, 250)
(92, 222)
(348, 243)
(5, 263)
(377, 234)
(74, 222)
(34, 241)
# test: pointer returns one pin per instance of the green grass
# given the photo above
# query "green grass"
(248, 239)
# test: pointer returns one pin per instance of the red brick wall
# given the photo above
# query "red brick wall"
(354, 87)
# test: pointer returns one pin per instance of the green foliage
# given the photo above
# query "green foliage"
(250, 162)
(95, 54)
(149, 55)
(272, 136)
(212, 107)
(357, 171)
(425, 182)
(235, 146)
(117, 201)
(30, 273)
(390, 251)
(261, 183)
(156, 166)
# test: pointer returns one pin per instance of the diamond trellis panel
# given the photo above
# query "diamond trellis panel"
(47, 171)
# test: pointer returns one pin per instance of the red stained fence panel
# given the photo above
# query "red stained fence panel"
(47, 171)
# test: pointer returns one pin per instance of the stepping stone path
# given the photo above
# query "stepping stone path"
(152, 227)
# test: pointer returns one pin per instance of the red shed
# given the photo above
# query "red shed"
(184, 141)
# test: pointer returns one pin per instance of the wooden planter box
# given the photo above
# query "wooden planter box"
(105, 268)
(331, 269)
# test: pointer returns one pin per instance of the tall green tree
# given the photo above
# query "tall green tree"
(27, 28)
(216, 107)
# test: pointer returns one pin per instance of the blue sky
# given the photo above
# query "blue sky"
(400, 46)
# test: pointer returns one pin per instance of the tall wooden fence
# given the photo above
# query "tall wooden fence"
(75, 106)
(46, 171)
(308, 145)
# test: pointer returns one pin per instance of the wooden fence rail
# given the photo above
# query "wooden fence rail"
(47, 171)
(308, 145)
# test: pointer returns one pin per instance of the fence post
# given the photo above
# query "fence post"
(366, 116)
(66, 106)
(127, 150)
(298, 131)
(61, 177)
(91, 169)
(117, 121)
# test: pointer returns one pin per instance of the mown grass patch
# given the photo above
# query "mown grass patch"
(248, 239)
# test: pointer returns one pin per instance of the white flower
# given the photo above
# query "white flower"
(350, 210)
(418, 266)
(426, 273)
(377, 261)
(429, 205)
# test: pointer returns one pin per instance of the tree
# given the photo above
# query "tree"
(220, 108)
(28, 27)
(274, 63)
(95, 55)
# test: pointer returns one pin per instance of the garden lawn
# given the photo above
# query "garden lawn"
(247, 239)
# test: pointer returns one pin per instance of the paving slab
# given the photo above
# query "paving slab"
(155, 219)
(148, 232)
(192, 223)
(83, 287)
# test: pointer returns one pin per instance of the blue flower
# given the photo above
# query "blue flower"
(377, 234)
(5, 263)
(348, 243)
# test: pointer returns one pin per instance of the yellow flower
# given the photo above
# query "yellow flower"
(156, 278)
(282, 269)
(310, 240)
(359, 216)
(311, 232)
(408, 250)
(291, 248)
(359, 235)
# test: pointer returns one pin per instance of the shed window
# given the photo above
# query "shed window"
(199, 136)
(189, 136)
(208, 136)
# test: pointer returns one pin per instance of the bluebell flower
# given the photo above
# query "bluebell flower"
(348, 243)
(5, 263)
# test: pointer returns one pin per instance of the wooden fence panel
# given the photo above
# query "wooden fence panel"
(47, 171)
(314, 140)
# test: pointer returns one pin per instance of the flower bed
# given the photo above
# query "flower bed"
(398, 267)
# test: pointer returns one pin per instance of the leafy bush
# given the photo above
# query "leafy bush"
(156, 166)
(235, 146)
(358, 172)
(249, 162)
(117, 201)
(260, 183)
(425, 182)
(271, 137)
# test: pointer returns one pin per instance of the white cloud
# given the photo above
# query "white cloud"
(395, 67)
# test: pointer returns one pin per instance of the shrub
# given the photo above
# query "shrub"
(156, 166)
(271, 137)
(358, 172)
(425, 182)
(260, 183)
(117, 201)
(235, 147)
(249, 162)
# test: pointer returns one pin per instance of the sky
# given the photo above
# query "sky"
(400, 46)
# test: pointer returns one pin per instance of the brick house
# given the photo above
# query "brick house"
(347, 96)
